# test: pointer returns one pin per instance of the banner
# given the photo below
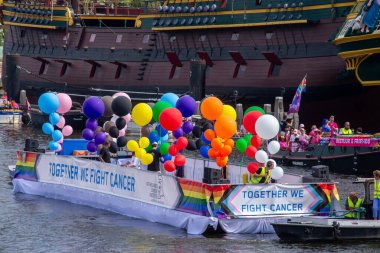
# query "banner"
(354, 142)
(296, 103)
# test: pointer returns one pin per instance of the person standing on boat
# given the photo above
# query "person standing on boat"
(333, 126)
(353, 203)
(155, 165)
(262, 175)
(105, 155)
(376, 195)
(346, 130)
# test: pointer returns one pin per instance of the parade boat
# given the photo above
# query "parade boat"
(181, 202)
(351, 155)
(258, 48)
(9, 112)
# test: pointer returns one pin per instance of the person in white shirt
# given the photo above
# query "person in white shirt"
(134, 162)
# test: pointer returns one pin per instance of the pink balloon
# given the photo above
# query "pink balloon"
(61, 140)
(118, 94)
(67, 130)
(121, 132)
(127, 118)
(65, 103)
(59, 148)
(61, 123)
(125, 128)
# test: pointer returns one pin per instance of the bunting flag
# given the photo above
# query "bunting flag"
(296, 103)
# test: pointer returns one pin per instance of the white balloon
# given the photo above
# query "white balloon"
(273, 161)
(261, 156)
(267, 126)
(114, 118)
(277, 173)
(273, 147)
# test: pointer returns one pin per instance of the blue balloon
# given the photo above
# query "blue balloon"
(204, 151)
(47, 128)
(93, 107)
(164, 138)
(48, 102)
(204, 139)
(53, 145)
(54, 118)
(161, 131)
(153, 137)
(57, 135)
(167, 157)
(171, 98)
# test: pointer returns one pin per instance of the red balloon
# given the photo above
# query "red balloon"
(173, 151)
(171, 119)
(180, 160)
(169, 166)
(182, 143)
(251, 151)
(249, 121)
(252, 167)
(256, 141)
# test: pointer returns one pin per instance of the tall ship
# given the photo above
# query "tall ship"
(251, 50)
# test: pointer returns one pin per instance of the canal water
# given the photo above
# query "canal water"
(36, 224)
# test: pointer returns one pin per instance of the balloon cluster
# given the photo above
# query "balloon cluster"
(55, 105)
(140, 150)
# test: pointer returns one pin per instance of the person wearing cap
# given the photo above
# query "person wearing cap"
(346, 130)
(315, 136)
(155, 165)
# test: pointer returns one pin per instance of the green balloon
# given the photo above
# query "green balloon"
(149, 148)
(248, 138)
(241, 145)
(254, 108)
(164, 148)
(158, 108)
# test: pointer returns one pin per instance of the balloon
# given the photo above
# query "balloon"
(161, 131)
(191, 145)
(277, 173)
(47, 128)
(127, 118)
(59, 148)
(221, 161)
(186, 105)
(158, 108)
(92, 124)
(167, 157)
(180, 160)
(171, 119)
(147, 159)
(121, 141)
(67, 130)
(182, 143)
(204, 151)
(187, 126)
(273, 161)
(91, 146)
(230, 143)
(206, 126)
(61, 123)
(107, 125)
(229, 111)
(267, 127)
(225, 127)
(248, 138)
(132, 145)
(205, 140)
(140, 152)
(57, 135)
(121, 106)
(121, 133)
(48, 103)
(213, 153)
(171, 98)
(164, 138)
(113, 147)
(178, 133)
(120, 123)
(145, 131)
(120, 94)
(241, 145)
(107, 101)
(144, 142)
(169, 166)
(173, 151)
(250, 119)
(211, 108)
(113, 132)
(98, 129)
(216, 143)
(142, 114)
(273, 147)
(88, 134)
(256, 141)
(197, 131)
(93, 107)
(114, 118)
(251, 151)
(199, 143)
(153, 137)
(65, 103)
(226, 150)
(252, 167)
(209, 134)
(261, 156)
(164, 148)
(100, 138)
(53, 145)
(254, 108)
(54, 118)
(149, 148)
(61, 140)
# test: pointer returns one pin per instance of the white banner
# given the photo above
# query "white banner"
(131, 183)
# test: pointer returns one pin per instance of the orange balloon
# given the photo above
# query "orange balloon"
(216, 144)
(226, 150)
(221, 161)
(230, 142)
(213, 153)
(211, 108)
(225, 127)
(209, 134)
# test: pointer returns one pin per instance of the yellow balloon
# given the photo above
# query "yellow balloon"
(229, 111)
(144, 142)
(142, 114)
(147, 159)
(140, 153)
(132, 145)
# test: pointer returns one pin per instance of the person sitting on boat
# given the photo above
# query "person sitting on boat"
(353, 203)
(262, 175)
(346, 130)
(134, 162)
(376, 195)
(105, 155)
(371, 16)
(333, 126)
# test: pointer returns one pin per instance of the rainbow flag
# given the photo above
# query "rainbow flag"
(296, 103)
(25, 166)
(194, 199)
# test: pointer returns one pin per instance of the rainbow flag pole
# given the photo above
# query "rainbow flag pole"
(296, 103)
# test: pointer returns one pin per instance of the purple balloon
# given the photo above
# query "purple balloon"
(178, 133)
(88, 134)
(187, 127)
(91, 146)
(92, 124)
(186, 105)
(93, 107)
(100, 138)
